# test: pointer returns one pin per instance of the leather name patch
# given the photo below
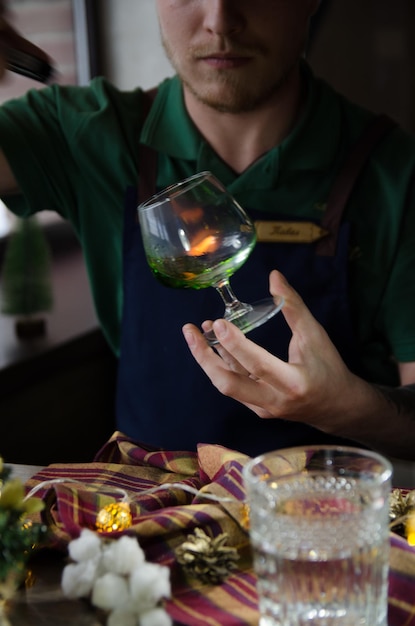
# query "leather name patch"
(289, 232)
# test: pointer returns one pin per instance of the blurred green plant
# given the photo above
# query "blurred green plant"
(19, 536)
(25, 274)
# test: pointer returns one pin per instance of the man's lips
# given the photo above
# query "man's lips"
(225, 61)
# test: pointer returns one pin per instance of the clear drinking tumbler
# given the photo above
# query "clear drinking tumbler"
(319, 533)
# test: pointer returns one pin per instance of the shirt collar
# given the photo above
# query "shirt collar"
(168, 128)
(312, 144)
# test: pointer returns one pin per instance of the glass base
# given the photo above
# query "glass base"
(258, 313)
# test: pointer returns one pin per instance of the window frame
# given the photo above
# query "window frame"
(87, 63)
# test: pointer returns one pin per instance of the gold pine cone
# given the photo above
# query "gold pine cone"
(207, 558)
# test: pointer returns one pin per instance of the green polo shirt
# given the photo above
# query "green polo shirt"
(74, 150)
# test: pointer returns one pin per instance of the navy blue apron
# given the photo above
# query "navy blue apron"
(164, 399)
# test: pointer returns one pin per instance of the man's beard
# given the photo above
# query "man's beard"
(238, 98)
(238, 95)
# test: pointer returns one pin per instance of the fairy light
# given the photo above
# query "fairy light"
(116, 516)
(410, 529)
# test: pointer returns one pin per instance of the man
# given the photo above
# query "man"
(245, 106)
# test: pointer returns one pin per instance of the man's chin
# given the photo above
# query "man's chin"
(224, 100)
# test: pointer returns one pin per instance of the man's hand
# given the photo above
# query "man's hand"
(310, 388)
(314, 387)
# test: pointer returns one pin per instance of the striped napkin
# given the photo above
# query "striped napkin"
(163, 520)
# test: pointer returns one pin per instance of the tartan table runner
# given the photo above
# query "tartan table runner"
(163, 520)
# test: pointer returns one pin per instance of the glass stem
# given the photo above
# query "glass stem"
(234, 308)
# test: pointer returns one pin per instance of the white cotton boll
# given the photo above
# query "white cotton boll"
(122, 617)
(110, 592)
(149, 583)
(87, 546)
(155, 617)
(78, 579)
(123, 555)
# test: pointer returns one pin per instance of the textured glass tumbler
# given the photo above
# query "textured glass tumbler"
(319, 533)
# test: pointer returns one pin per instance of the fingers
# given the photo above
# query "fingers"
(306, 330)
(294, 309)
(231, 362)
(225, 371)
(236, 354)
(222, 369)
(260, 364)
(306, 388)
(201, 351)
(239, 363)
(242, 356)
(208, 358)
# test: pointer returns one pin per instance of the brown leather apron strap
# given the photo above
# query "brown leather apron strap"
(346, 180)
(147, 157)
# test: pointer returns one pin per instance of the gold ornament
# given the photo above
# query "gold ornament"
(114, 517)
(207, 558)
(401, 511)
(245, 519)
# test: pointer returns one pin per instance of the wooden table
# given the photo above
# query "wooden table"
(24, 472)
(43, 604)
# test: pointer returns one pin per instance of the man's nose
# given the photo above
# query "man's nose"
(223, 17)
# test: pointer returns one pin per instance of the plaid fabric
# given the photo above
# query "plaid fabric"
(163, 520)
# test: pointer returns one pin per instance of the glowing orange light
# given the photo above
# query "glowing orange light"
(206, 245)
(114, 517)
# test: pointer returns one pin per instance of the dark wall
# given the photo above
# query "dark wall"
(366, 49)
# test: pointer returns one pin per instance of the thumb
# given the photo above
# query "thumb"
(296, 313)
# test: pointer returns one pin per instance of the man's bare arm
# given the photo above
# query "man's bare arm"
(399, 435)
